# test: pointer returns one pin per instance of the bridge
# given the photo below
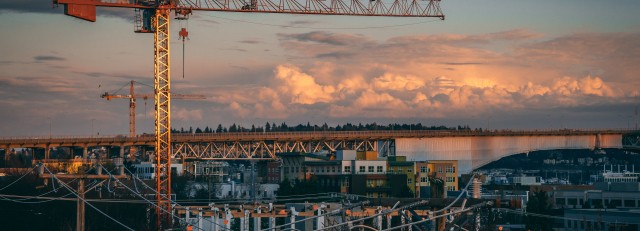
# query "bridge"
(472, 148)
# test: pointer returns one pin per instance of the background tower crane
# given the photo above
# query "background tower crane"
(152, 16)
(132, 96)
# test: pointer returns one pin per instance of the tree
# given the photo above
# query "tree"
(233, 128)
(539, 204)
(285, 188)
(219, 129)
(267, 127)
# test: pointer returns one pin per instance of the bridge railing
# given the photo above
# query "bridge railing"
(371, 134)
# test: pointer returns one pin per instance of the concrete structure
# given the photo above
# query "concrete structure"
(475, 151)
(233, 190)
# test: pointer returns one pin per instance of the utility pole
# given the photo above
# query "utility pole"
(80, 207)
(82, 176)
(253, 181)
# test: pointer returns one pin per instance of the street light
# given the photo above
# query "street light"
(49, 118)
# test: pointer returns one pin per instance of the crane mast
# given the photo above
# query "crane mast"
(132, 96)
(152, 16)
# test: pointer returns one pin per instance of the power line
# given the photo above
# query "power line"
(20, 178)
(84, 201)
(404, 207)
(163, 209)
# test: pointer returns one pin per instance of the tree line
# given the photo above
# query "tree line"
(283, 127)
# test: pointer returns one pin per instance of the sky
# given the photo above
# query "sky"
(497, 64)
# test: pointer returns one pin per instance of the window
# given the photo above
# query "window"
(423, 169)
(370, 168)
(451, 188)
(451, 179)
(451, 169)
(286, 169)
(423, 179)
(347, 168)
(440, 169)
(362, 168)
(333, 168)
(379, 169)
(409, 170)
(409, 180)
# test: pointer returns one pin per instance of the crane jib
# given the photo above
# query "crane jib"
(86, 9)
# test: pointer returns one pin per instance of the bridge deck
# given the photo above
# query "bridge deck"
(285, 136)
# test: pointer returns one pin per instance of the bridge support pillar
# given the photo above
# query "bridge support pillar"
(7, 152)
(85, 152)
(121, 151)
(598, 143)
(47, 152)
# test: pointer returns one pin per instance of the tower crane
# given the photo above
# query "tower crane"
(132, 96)
(152, 16)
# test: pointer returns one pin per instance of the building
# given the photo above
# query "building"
(525, 180)
(447, 170)
(147, 170)
(399, 165)
(598, 219)
(292, 165)
(274, 172)
(213, 170)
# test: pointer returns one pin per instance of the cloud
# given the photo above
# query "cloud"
(301, 87)
(390, 95)
(398, 83)
(45, 58)
(180, 113)
(321, 37)
(250, 41)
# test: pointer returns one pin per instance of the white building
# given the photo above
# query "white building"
(147, 170)
(526, 180)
